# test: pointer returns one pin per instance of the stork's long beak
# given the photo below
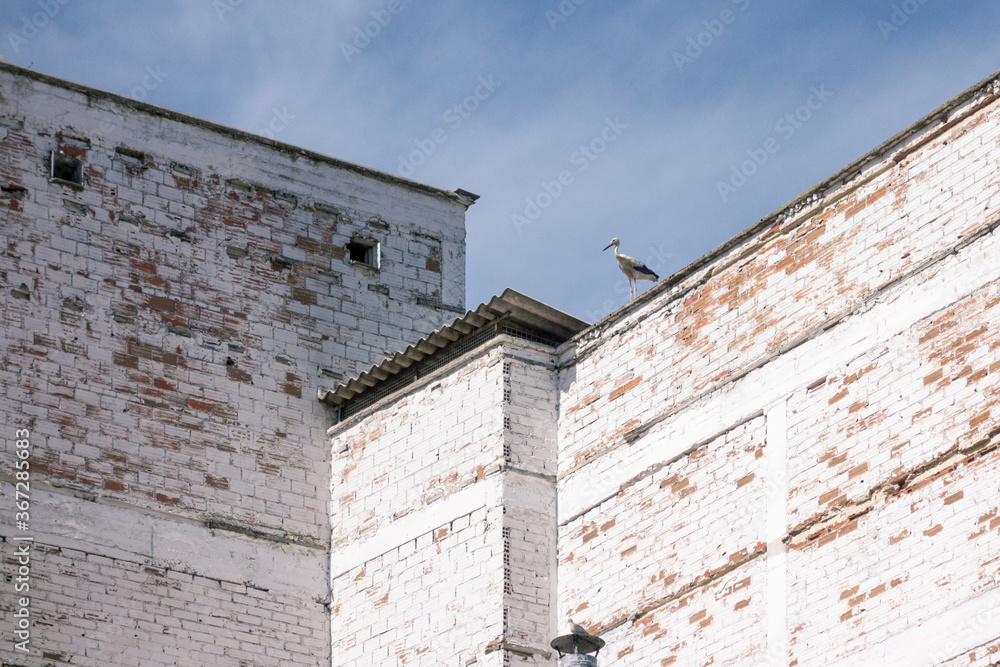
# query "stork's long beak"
(608, 246)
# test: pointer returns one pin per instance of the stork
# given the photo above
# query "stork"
(632, 268)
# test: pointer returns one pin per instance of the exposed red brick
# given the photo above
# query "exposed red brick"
(897, 538)
(836, 461)
(160, 383)
(979, 419)
(162, 303)
(954, 497)
(125, 360)
(199, 405)
(238, 375)
(168, 500)
(828, 496)
(142, 266)
(621, 390)
(836, 397)
(875, 196)
(854, 210)
(857, 470)
(304, 296)
(933, 377)
(217, 482)
(738, 586)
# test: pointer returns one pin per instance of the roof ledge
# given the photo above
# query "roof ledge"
(510, 313)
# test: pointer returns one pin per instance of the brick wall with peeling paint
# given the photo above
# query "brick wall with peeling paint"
(434, 599)
(789, 456)
(785, 455)
(444, 516)
(424, 447)
(98, 609)
(662, 531)
(167, 322)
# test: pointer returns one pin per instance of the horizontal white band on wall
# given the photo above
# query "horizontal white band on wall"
(896, 310)
(396, 533)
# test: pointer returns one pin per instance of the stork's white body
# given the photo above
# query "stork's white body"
(632, 268)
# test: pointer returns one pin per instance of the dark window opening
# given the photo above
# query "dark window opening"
(130, 158)
(66, 168)
(364, 251)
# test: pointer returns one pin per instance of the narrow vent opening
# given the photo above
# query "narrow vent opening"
(67, 168)
(363, 251)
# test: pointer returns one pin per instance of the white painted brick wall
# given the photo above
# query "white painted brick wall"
(715, 330)
(896, 399)
(466, 451)
(432, 600)
(674, 526)
(905, 562)
(178, 375)
(421, 448)
(738, 454)
(719, 623)
(787, 457)
(113, 585)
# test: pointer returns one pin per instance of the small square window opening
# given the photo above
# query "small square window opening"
(364, 251)
(66, 168)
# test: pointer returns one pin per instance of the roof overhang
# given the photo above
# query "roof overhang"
(510, 313)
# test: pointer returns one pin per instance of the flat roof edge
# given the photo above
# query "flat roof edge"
(458, 196)
(990, 86)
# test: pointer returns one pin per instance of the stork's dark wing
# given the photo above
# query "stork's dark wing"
(645, 270)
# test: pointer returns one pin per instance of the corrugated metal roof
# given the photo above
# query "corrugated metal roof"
(511, 313)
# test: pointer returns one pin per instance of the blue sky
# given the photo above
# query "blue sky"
(574, 120)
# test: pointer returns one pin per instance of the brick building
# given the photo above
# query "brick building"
(174, 294)
(785, 453)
